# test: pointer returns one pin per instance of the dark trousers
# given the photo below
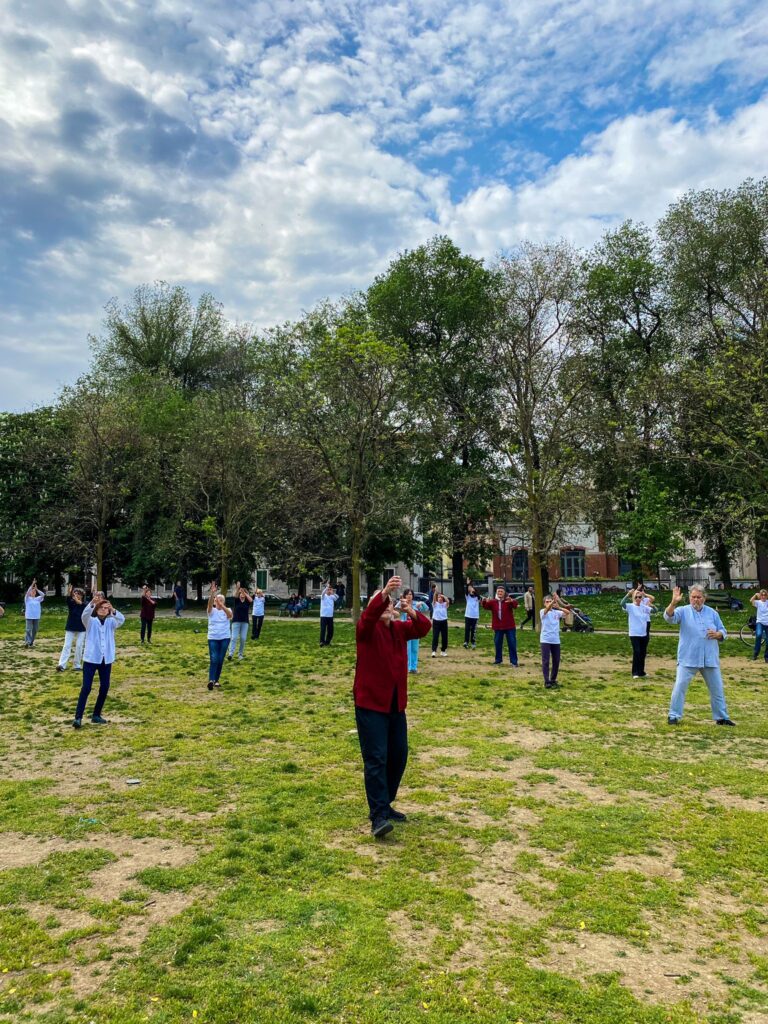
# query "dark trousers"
(90, 668)
(498, 643)
(547, 651)
(530, 617)
(146, 627)
(440, 633)
(326, 629)
(470, 631)
(384, 746)
(258, 622)
(639, 650)
(217, 651)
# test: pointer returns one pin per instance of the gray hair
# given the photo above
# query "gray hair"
(698, 586)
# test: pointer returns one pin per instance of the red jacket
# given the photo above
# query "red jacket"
(507, 620)
(382, 657)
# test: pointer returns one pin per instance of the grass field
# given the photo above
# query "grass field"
(568, 857)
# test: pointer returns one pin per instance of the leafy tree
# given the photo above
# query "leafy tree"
(649, 534)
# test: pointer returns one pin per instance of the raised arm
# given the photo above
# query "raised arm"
(212, 597)
(669, 611)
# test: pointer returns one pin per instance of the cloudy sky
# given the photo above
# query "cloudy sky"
(278, 152)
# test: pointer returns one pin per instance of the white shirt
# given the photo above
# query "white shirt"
(327, 602)
(440, 612)
(550, 626)
(472, 610)
(761, 612)
(100, 636)
(32, 608)
(218, 624)
(639, 617)
(258, 606)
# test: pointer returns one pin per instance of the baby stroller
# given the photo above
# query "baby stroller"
(582, 622)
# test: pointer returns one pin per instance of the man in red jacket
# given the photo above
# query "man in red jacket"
(503, 621)
(381, 694)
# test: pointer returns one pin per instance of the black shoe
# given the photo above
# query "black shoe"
(210, 685)
(229, 657)
(672, 721)
(394, 815)
(551, 686)
(466, 646)
(98, 720)
(77, 724)
(724, 721)
(59, 668)
(381, 827)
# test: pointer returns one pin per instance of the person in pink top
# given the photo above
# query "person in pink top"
(502, 609)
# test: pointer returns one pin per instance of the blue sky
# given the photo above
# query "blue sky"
(278, 153)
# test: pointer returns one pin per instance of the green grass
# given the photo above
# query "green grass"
(568, 857)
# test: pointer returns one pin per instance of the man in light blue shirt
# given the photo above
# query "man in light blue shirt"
(328, 599)
(701, 632)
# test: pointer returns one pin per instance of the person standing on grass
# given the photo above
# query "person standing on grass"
(258, 613)
(147, 613)
(100, 620)
(33, 598)
(328, 599)
(219, 618)
(698, 650)
(406, 601)
(502, 609)
(74, 631)
(240, 615)
(381, 694)
(471, 615)
(639, 614)
(549, 638)
(647, 601)
(529, 602)
(440, 624)
(179, 596)
(760, 604)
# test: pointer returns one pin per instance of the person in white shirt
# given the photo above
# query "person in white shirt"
(219, 634)
(328, 599)
(258, 613)
(760, 604)
(440, 624)
(100, 620)
(33, 598)
(471, 615)
(638, 610)
(529, 602)
(549, 638)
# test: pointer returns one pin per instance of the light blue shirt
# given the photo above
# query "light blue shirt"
(100, 636)
(258, 606)
(550, 626)
(327, 603)
(32, 609)
(694, 650)
(472, 610)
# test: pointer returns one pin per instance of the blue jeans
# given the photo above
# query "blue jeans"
(413, 655)
(239, 632)
(761, 634)
(498, 643)
(179, 606)
(714, 681)
(30, 631)
(217, 650)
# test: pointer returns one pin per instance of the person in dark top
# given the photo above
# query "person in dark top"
(240, 615)
(74, 631)
(147, 614)
(341, 590)
(180, 598)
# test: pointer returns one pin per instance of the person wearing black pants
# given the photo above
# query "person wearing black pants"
(639, 616)
(147, 613)
(471, 615)
(100, 620)
(258, 614)
(328, 599)
(440, 625)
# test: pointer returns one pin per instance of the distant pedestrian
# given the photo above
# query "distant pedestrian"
(328, 599)
(404, 606)
(502, 609)
(101, 621)
(440, 624)
(74, 630)
(638, 616)
(258, 613)
(219, 618)
(180, 598)
(698, 650)
(529, 601)
(341, 590)
(147, 613)
(549, 638)
(33, 598)
(471, 615)
(760, 603)
(241, 611)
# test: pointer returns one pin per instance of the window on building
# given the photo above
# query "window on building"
(261, 579)
(520, 565)
(572, 562)
(388, 574)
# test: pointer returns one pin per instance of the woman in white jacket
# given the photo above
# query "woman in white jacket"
(100, 620)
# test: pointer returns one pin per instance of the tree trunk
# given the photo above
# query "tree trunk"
(302, 588)
(355, 570)
(199, 586)
(457, 567)
(761, 551)
(722, 562)
(100, 560)
(539, 590)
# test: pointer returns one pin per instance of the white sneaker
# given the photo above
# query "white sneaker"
(434, 654)
(443, 654)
